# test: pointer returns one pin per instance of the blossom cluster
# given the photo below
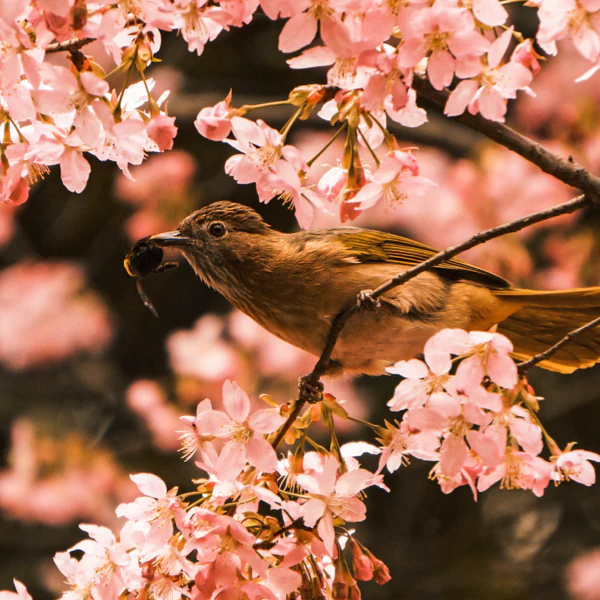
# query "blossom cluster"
(57, 103)
(259, 525)
(48, 314)
(480, 424)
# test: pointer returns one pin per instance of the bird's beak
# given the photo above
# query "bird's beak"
(170, 238)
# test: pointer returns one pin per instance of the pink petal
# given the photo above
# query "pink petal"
(499, 47)
(312, 511)
(283, 580)
(150, 485)
(425, 419)
(327, 533)
(352, 482)
(260, 454)
(368, 196)
(247, 131)
(466, 43)
(502, 370)
(413, 369)
(93, 85)
(486, 448)
(236, 401)
(319, 56)
(212, 422)
(231, 461)
(410, 393)
(265, 421)
(490, 12)
(74, 170)
(460, 97)
(298, 32)
(440, 69)
(469, 373)
(528, 434)
(491, 105)
(354, 510)
(438, 360)
(453, 454)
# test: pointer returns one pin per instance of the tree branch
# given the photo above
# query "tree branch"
(568, 171)
(347, 312)
(69, 45)
(538, 358)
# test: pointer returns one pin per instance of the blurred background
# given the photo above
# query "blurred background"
(92, 385)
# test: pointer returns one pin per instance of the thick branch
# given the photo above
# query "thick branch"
(538, 358)
(69, 45)
(567, 171)
(346, 313)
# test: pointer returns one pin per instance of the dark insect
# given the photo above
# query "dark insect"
(144, 259)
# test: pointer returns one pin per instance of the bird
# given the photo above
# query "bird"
(294, 284)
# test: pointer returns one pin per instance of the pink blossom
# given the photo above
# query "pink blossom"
(492, 86)
(331, 494)
(449, 33)
(161, 130)
(576, 465)
(20, 594)
(214, 122)
(583, 576)
(48, 315)
(578, 20)
(261, 147)
(520, 471)
(242, 432)
(396, 179)
(490, 354)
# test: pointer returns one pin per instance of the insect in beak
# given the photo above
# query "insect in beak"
(145, 258)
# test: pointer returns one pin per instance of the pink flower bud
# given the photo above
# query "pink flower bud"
(213, 122)
(363, 570)
(161, 129)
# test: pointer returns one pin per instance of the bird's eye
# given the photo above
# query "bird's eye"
(217, 229)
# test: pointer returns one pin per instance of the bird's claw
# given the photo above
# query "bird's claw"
(310, 391)
(365, 301)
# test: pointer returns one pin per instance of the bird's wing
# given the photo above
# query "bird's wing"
(377, 246)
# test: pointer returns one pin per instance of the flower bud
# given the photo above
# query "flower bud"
(361, 565)
(381, 572)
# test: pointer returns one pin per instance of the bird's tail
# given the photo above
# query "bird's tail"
(543, 318)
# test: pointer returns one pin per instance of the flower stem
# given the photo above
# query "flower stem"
(327, 145)
(362, 135)
(248, 107)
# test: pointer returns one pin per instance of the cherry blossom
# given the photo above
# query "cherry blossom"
(331, 494)
(396, 179)
(492, 85)
(242, 432)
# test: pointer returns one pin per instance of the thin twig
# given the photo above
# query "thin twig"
(568, 171)
(538, 358)
(347, 312)
(69, 45)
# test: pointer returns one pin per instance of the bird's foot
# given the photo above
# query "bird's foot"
(365, 301)
(309, 391)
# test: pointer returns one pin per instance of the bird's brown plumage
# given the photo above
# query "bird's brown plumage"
(294, 285)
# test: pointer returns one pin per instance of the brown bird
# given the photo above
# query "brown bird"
(294, 284)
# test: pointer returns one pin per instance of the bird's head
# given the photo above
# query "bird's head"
(220, 241)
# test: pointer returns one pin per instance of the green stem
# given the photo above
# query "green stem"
(286, 128)
(362, 135)
(21, 136)
(552, 445)
(389, 138)
(248, 107)
(327, 145)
